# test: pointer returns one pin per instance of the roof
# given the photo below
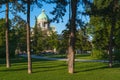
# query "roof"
(43, 16)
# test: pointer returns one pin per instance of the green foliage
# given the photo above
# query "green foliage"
(101, 4)
(100, 54)
(41, 41)
(102, 21)
(63, 41)
(17, 37)
(2, 38)
(82, 41)
(117, 35)
(116, 55)
(2, 52)
(100, 32)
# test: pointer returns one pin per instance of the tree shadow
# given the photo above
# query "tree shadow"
(36, 68)
(12, 70)
(98, 68)
(92, 69)
(49, 68)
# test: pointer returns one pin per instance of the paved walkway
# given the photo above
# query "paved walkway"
(63, 59)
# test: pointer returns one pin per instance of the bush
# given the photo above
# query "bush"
(2, 52)
(100, 54)
(116, 55)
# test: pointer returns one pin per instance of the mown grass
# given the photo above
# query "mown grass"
(77, 56)
(57, 70)
(85, 56)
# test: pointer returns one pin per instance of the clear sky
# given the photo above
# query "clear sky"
(48, 8)
(35, 11)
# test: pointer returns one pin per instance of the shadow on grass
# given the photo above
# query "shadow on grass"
(36, 69)
(87, 69)
(13, 70)
(19, 60)
(38, 66)
(90, 69)
(46, 68)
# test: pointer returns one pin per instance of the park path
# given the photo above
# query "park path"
(63, 59)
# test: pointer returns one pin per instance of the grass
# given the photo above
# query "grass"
(77, 56)
(54, 55)
(85, 56)
(57, 70)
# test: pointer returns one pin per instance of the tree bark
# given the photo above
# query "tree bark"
(111, 38)
(71, 46)
(7, 36)
(110, 47)
(28, 38)
(113, 21)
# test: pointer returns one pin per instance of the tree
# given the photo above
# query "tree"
(100, 41)
(7, 37)
(2, 38)
(64, 41)
(29, 2)
(18, 35)
(7, 29)
(107, 9)
(82, 41)
(71, 44)
(28, 38)
(59, 12)
(53, 41)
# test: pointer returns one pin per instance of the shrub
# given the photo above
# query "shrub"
(2, 52)
(116, 55)
(100, 54)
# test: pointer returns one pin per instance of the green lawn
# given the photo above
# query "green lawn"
(85, 56)
(54, 55)
(77, 56)
(57, 70)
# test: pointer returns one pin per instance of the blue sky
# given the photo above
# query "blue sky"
(36, 11)
(48, 8)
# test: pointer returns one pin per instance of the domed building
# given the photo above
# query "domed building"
(43, 31)
(43, 23)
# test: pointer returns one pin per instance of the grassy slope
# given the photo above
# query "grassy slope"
(57, 70)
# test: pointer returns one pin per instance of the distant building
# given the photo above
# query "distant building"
(43, 23)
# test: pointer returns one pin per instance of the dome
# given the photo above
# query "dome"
(43, 16)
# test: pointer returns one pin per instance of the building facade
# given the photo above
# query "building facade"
(43, 23)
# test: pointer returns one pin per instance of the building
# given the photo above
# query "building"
(43, 23)
(43, 28)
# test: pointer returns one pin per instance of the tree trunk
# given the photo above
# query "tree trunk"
(71, 47)
(7, 37)
(111, 41)
(110, 48)
(113, 24)
(28, 38)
